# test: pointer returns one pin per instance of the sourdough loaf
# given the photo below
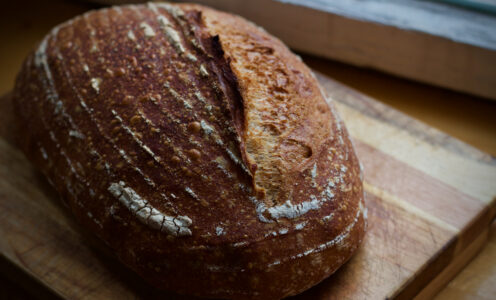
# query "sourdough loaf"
(196, 146)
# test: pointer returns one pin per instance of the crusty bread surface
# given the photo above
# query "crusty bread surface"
(196, 146)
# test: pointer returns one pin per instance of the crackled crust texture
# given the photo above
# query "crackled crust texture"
(195, 145)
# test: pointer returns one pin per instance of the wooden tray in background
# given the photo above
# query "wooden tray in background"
(430, 201)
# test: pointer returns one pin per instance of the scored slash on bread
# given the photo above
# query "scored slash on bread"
(196, 146)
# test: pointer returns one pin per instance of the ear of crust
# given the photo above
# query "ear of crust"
(286, 117)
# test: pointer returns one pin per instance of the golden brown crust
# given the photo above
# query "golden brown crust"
(279, 92)
(196, 146)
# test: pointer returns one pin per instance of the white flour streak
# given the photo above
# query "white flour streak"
(178, 97)
(147, 29)
(314, 171)
(171, 34)
(291, 211)
(76, 134)
(301, 225)
(40, 60)
(136, 139)
(207, 129)
(203, 71)
(147, 214)
(131, 36)
(191, 193)
(219, 230)
(43, 153)
(328, 217)
(95, 84)
(338, 240)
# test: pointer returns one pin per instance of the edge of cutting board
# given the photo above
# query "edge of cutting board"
(454, 267)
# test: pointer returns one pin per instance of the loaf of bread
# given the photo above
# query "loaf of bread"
(196, 146)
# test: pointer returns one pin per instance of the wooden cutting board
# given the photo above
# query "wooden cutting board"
(430, 202)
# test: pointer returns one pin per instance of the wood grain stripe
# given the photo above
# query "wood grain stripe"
(435, 161)
(407, 206)
(418, 189)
